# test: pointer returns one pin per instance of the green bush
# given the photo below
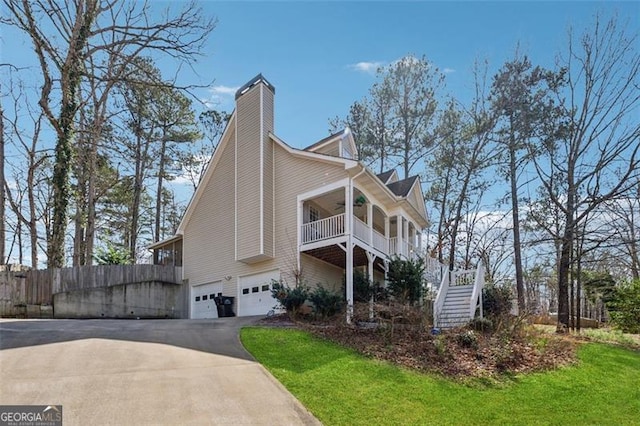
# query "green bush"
(624, 308)
(363, 288)
(326, 303)
(290, 298)
(496, 301)
(405, 279)
(111, 255)
(467, 339)
(484, 325)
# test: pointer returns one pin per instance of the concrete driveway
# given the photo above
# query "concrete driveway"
(135, 372)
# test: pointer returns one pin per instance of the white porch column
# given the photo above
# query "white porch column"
(405, 227)
(370, 221)
(399, 238)
(386, 233)
(371, 258)
(348, 220)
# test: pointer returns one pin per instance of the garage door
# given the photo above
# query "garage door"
(203, 304)
(255, 293)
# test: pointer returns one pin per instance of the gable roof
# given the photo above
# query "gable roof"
(385, 176)
(344, 136)
(402, 187)
(324, 141)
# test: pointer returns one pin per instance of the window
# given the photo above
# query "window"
(204, 297)
(265, 287)
(314, 214)
(197, 298)
(211, 296)
(254, 289)
(245, 291)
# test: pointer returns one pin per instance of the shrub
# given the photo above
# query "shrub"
(405, 279)
(481, 324)
(467, 339)
(363, 288)
(624, 308)
(496, 301)
(111, 255)
(326, 303)
(291, 299)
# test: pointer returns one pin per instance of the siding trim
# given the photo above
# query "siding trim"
(261, 250)
(235, 195)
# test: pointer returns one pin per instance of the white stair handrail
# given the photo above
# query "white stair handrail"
(440, 298)
(476, 294)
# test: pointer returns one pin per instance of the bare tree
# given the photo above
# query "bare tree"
(65, 35)
(596, 157)
(622, 218)
(31, 186)
(3, 197)
(474, 158)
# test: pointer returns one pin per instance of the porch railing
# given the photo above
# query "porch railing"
(380, 242)
(463, 278)
(361, 230)
(334, 226)
(323, 229)
(405, 248)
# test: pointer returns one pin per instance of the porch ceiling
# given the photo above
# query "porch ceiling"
(336, 256)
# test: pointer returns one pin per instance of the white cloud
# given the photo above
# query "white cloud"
(448, 70)
(221, 96)
(366, 67)
(223, 90)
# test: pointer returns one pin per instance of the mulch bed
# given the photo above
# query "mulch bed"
(458, 353)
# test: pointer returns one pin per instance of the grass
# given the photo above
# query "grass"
(612, 336)
(341, 387)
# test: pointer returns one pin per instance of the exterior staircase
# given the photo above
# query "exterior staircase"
(458, 298)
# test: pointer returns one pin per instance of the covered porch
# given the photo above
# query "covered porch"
(351, 228)
(326, 222)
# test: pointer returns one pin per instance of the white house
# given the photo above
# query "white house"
(267, 211)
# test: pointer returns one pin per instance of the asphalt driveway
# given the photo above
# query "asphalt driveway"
(142, 372)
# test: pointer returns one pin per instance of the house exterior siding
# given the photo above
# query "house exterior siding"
(249, 217)
(254, 175)
(209, 235)
(316, 272)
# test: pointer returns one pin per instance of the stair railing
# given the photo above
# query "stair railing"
(440, 298)
(476, 294)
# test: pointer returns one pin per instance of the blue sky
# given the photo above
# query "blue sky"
(320, 55)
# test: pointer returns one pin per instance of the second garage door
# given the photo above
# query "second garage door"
(255, 293)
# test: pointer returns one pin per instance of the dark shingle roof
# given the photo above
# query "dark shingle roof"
(384, 177)
(402, 187)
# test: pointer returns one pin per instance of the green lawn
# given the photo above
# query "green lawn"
(341, 387)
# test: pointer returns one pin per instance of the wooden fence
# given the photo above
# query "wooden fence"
(37, 287)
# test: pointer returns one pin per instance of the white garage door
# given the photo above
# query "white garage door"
(255, 293)
(203, 304)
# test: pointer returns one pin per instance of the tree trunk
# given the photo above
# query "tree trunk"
(69, 83)
(161, 165)
(3, 197)
(516, 229)
(563, 276)
(81, 206)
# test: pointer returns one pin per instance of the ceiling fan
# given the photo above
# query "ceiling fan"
(359, 201)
